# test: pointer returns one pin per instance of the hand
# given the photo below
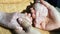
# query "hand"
(53, 17)
(10, 20)
(25, 21)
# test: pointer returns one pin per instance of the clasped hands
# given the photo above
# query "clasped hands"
(14, 20)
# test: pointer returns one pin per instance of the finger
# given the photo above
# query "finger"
(38, 26)
(53, 12)
(32, 10)
(33, 16)
(49, 6)
(43, 25)
(29, 15)
(33, 13)
(20, 20)
(26, 14)
(51, 25)
(19, 28)
(31, 19)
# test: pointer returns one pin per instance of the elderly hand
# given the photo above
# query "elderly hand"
(17, 21)
(52, 20)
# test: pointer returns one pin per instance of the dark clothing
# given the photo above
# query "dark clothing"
(54, 2)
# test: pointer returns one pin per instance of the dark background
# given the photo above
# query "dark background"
(55, 3)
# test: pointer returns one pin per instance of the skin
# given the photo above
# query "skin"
(26, 23)
(18, 21)
(41, 14)
(9, 20)
(53, 17)
(53, 20)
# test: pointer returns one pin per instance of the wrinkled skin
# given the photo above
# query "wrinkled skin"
(26, 23)
(41, 15)
(9, 20)
(18, 21)
(52, 20)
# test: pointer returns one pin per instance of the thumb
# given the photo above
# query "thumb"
(53, 12)
(46, 4)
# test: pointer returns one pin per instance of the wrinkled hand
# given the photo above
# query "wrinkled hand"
(26, 23)
(9, 20)
(52, 18)
(25, 20)
(16, 21)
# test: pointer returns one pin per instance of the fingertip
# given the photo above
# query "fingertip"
(29, 15)
(43, 25)
(33, 16)
(26, 14)
(32, 10)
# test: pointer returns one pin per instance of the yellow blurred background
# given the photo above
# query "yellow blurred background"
(13, 6)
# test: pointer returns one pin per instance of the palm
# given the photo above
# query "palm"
(53, 17)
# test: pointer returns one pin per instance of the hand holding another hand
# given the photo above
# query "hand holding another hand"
(52, 21)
